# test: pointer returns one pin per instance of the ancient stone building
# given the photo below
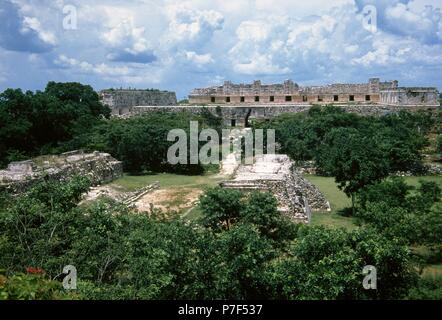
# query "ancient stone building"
(372, 92)
(121, 101)
(275, 173)
(98, 167)
(242, 115)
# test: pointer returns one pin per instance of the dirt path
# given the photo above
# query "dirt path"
(169, 199)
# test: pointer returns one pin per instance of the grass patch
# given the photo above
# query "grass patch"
(175, 192)
(327, 185)
(414, 181)
(167, 180)
(432, 271)
(333, 220)
(338, 200)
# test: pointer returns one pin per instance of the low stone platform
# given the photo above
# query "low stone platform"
(98, 167)
(276, 174)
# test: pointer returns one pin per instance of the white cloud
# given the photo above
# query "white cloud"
(199, 58)
(260, 65)
(411, 20)
(23, 33)
(127, 43)
(33, 24)
(183, 44)
(189, 25)
(253, 31)
(86, 67)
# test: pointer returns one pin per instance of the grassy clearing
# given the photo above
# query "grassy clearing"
(177, 193)
(414, 181)
(338, 200)
(167, 180)
(327, 185)
(432, 271)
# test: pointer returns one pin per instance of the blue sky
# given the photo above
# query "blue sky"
(179, 45)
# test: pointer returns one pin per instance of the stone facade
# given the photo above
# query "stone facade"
(410, 97)
(374, 91)
(272, 173)
(240, 115)
(121, 101)
(98, 167)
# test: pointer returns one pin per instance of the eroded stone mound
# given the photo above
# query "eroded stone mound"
(98, 167)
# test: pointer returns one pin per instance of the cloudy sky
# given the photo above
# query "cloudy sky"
(182, 44)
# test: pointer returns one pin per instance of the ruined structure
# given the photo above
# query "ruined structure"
(98, 167)
(238, 104)
(242, 115)
(372, 92)
(121, 101)
(276, 174)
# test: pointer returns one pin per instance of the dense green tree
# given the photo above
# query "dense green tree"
(328, 264)
(439, 144)
(261, 210)
(401, 136)
(392, 191)
(400, 212)
(46, 122)
(355, 160)
(221, 208)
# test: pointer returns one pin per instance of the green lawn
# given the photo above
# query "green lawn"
(131, 183)
(177, 193)
(327, 185)
(432, 271)
(414, 181)
(338, 200)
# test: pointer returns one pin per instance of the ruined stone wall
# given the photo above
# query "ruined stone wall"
(240, 114)
(236, 113)
(98, 167)
(121, 101)
(290, 92)
(410, 97)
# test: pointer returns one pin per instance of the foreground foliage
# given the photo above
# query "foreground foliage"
(260, 255)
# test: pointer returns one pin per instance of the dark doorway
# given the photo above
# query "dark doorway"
(233, 123)
(247, 124)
